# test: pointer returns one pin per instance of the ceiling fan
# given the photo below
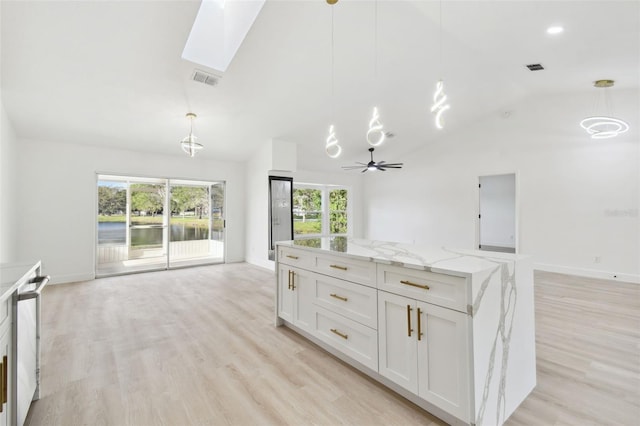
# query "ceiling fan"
(372, 165)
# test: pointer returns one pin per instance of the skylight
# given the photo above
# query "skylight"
(218, 31)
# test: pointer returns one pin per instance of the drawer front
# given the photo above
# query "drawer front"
(439, 289)
(293, 257)
(352, 338)
(354, 301)
(344, 268)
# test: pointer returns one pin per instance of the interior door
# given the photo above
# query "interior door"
(497, 213)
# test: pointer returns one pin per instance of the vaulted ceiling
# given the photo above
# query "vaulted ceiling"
(111, 73)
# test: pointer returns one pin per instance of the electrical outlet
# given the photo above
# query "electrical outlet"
(597, 259)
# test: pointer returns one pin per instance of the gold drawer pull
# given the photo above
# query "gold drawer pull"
(344, 299)
(424, 286)
(344, 336)
(3, 382)
(342, 268)
(292, 257)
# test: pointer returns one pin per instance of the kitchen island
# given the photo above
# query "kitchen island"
(451, 330)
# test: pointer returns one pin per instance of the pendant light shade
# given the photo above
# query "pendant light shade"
(604, 126)
(189, 144)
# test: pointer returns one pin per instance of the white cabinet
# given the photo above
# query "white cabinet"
(425, 322)
(424, 348)
(295, 296)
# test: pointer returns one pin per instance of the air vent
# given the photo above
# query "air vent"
(535, 67)
(206, 78)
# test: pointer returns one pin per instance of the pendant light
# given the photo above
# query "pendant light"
(440, 104)
(189, 144)
(604, 126)
(376, 134)
(332, 147)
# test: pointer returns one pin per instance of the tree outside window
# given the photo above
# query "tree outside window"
(319, 210)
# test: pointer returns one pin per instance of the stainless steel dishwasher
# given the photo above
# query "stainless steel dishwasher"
(26, 345)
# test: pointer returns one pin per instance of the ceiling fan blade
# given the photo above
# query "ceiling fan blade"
(366, 168)
(380, 168)
(393, 164)
(380, 163)
(392, 167)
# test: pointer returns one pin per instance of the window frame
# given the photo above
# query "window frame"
(324, 200)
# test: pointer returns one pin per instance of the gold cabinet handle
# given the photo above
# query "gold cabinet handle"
(409, 329)
(342, 268)
(344, 336)
(3, 382)
(292, 257)
(424, 286)
(419, 325)
(293, 280)
(344, 299)
(289, 287)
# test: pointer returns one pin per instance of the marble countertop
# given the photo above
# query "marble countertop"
(458, 262)
(13, 274)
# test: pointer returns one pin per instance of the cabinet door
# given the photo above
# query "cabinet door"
(285, 293)
(303, 284)
(397, 354)
(443, 359)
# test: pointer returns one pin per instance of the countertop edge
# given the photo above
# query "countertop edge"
(16, 280)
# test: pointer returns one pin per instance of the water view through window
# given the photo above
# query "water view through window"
(146, 223)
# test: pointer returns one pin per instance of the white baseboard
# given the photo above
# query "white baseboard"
(591, 273)
(266, 264)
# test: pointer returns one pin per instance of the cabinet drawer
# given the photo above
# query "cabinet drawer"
(344, 268)
(439, 289)
(352, 338)
(291, 256)
(354, 301)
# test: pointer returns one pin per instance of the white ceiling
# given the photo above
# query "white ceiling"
(111, 74)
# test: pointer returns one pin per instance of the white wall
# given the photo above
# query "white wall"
(257, 204)
(57, 199)
(578, 196)
(498, 210)
(8, 191)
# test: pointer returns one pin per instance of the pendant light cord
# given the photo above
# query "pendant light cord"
(440, 39)
(375, 42)
(332, 71)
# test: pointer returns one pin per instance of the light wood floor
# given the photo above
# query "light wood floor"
(198, 346)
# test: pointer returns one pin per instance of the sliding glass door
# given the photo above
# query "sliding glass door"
(146, 224)
(196, 223)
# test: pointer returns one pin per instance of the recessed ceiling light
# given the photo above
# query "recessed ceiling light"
(555, 30)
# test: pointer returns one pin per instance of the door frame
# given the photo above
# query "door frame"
(516, 236)
(168, 181)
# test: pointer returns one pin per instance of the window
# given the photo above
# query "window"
(319, 210)
(157, 223)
